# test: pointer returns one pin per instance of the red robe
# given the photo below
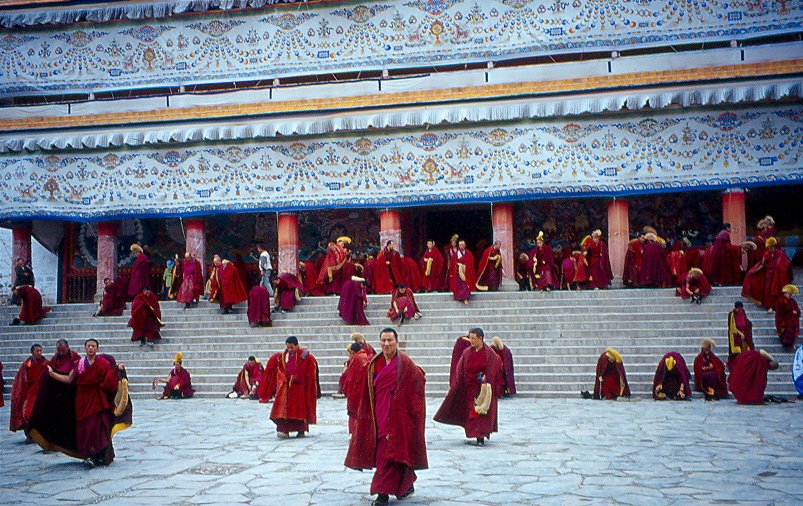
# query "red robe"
(259, 306)
(748, 378)
(544, 266)
(352, 384)
(432, 273)
(787, 320)
(309, 278)
(722, 262)
(388, 271)
(466, 278)
(146, 316)
(31, 310)
(633, 258)
(676, 259)
(329, 276)
(763, 283)
(24, 391)
(180, 379)
(613, 377)
(267, 386)
(289, 290)
(698, 283)
(353, 299)
(654, 270)
(709, 372)
(489, 270)
(450, 255)
(294, 408)
(249, 375)
(53, 415)
(599, 264)
(232, 290)
(402, 302)
(140, 275)
(412, 277)
(508, 377)
(93, 407)
(113, 302)
(457, 351)
(192, 281)
(671, 381)
(213, 284)
(458, 406)
(737, 344)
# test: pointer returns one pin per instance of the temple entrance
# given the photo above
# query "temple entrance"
(470, 222)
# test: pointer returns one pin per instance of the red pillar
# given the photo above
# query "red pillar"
(618, 236)
(390, 229)
(734, 212)
(106, 266)
(288, 243)
(502, 223)
(195, 231)
(21, 246)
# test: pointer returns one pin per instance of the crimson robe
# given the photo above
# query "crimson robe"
(763, 283)
(633, 259)
(294, 408)
(388, 271)
(432, 271)
(676, 259)
(748, 378)
(474, 368)
(671, 381)
(289, 290)
(175, 279)
(192, 281)
(508, 377)
(213, 284)
(267, 386)
(249, 375)
(352, 384)
(113, 302)
(736, 344)
(709, 372)
(787, 320)
(699, 283)
(259, 306)
(722, 263)
(404, 301)
(181, 379)
(352, 303)
(330, 278)
(140, 275)
(599, 264)
(654, 270)
(450, 255)
(613, 378)
(93, 407)
(489, 270)
(146, 316)
(31, 309)
(53, 415)
(544, 265)
(232, 289)
(466, 278)
(24, 390)
(457, 351)
(309, 278)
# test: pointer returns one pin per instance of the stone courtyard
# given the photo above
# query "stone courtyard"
(548, 452)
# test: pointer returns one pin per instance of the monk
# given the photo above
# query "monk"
(522, 273)
(489, 270)
(766, 229)
(599, 263)
(113, 301)
(763, 283)
(450, 256)
(247, 384)
(267, 386)
(402, 305)
(232, 289)
(611, 381)
(709, 373)
(288, 290)
(390, 421)
(259, 307)
(694, 285)
(53, 415)
(97, 379)
(140, 272)
(353, 378)
(676, 259)
(740, 332)
(308, 277)
(411, 275)
(31, 310)
(654, 272)
(173, 282)
(787, 316)
(213, 288)
(388, 270)
(748, 378)
(472, 401)
(543, 262)
(178, 384)
(294, 409)
(330, 277)
(633, 259)
(25, 389)
(356, 337)
(505, 355)
(353, 300)
(432, 272)
(192, 281)
(459, 347)
(146, 318)
(466, 276)
(671, 380)
(721, 262)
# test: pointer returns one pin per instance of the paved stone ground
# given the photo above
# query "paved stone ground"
(561, 452)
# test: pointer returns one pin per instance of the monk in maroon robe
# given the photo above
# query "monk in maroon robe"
(192, 281)
(633, 259)
(763, 283)
(259, 307)
(412, 277)
(748, 378)
(787, 316)
(113, 301)
(721, 263)
(402, 305)
(178, 384)
(213, 284)
(766, 229)
(523, 273)
(450, 256)
(308, 276)
(543, 260)
(353, 377)
(232, 290)
(694, 285)
(432, 269)
(388, 270)
(671, 380)
(610, 381)
(599, 263)
(267, 386)
(489, 270)
(740, 332)
(508, 377)
(390, 421)
(353, 300)
(676, 259)
(246, 386)
(146, 318)
(140, 272)
(466, 277)
(709, 373)
(459, 347)
(294, 408)
(472, 401)
(25, 389)
(31, 310)
(330, 277)
(288, 291)
(654, 272)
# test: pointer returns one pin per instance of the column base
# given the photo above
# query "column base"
(508, 285)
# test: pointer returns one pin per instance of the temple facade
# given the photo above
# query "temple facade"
(211, 126)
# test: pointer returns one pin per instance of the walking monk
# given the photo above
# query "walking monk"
(296, 390)
(25, 389)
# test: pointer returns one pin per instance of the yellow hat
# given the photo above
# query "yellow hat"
(540, 236)
(497, 343)
(178, 357)
(345, 239)
(766, 355)
(792, 289)
(695, 272)
(596, 233)
(709, 342)
(770, 242)
(613, 355)
(670, 363)
(648, 229)
(136, 247)
(749, 245)
(357, 337)
(454, 237)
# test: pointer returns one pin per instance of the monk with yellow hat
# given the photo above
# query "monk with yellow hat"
(787, 316)
(671, 380)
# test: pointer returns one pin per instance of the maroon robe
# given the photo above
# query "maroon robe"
(613, 376)
(654, 270)
(464, 268)
(450, 255)
(787, 320)
(93, 408)
(352, 303)
(568, 268)
(388, 271)
(672, 381)
(146, 317)
(709, 372)
(330, 279)
(748, 378)
(544, 266)
(763, 283)
(294, 408)
(599, 264)
(489, 270)
(259, 307)
(192, 281)
(457, 351)
(267, 386)
(688, 286)
(676, 259)
(181, 379)
(508, 377)
(31, 309)
(113, 302)
(289, 289)
(722, 262)
(412, 277)
(232, 289)
(353, 378)
(249, 376)
(309, 278)
(402, 303)
(633, 260)
(737, 344)
(432, 273)
(389, 431)
(53, 415)
(474, 368)
(24, 390)
(140, 276)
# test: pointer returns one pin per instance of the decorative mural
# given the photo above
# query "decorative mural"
(605, 156)
(366, 36)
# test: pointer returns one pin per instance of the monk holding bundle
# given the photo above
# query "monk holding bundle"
(31, 310)
(113, 301)
(432, 273)
(465, 275)
(25, 389)
(611, 381)
(671, 380)
(709, 373)
(146, 318)
(748, 378)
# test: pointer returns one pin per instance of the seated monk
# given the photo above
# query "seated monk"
(178, 384)
(671, 380)
(288, 291)
(748, 378)
(402, 305)
(709, 373)
(113, 301)
(611, 381)
(259, 307)
(146, 318)
(693, 285)
(31, 310)
(248, 379)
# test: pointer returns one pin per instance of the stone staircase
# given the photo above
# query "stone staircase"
(555, 337)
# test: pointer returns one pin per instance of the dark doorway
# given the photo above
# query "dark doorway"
(472, 223)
